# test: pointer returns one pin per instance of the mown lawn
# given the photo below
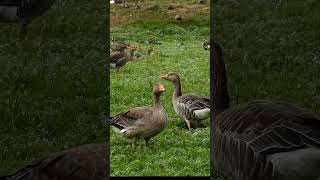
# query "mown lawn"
(271, 50)
(52, 84)
(175, 151)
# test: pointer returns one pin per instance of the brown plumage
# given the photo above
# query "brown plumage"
(119, 59)
(119, 46)
(191, 107)
(134, 53)
(142, 122)
(86, 162)
(178, 18)
(265, 140)
(151, 51)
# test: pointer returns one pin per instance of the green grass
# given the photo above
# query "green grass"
(52, 84)
(271, 49)
(175, 151)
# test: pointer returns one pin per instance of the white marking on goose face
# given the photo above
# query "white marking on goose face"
(202, 113)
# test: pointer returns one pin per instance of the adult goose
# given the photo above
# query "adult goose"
(84, 162)
(119, 45)
(206, 45)
(142, 122)
(120, 58)
(265, 140)
(192, 107)
(23, 12)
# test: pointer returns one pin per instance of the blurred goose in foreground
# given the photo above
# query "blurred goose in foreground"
(23, 12)
(142, 122)
(192, 107)
(206, 45)
(265, 140)
(80, 163)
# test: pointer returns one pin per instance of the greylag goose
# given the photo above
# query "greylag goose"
(178, 18)
(136, 4)
(23, 12)
(124, 4)
(119, 45)
(191, 107)
(265, 140)
(151, 51)
(80, 163)
(206, 45)
(134, 52)
(142, 122)
(120, 58)
(202, 1)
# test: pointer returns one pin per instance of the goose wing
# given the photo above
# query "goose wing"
(131, 117)
(194, 101)
(259, 129)
(271, 127)
(83, 162)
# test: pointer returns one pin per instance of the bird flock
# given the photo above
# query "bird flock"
(146, 122)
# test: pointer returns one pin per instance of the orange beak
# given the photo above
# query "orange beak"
(161, 88)
(164, 76)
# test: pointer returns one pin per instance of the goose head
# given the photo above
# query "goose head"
(172, 77)
(158, 89)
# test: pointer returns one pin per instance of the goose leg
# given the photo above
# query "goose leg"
(134, 143)
(22, 30)
(188, 124)
(146, 143)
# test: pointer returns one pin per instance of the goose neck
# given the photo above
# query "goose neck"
(219, 86)
(177, 89)
(156, 100)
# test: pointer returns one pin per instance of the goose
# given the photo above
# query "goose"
(142, 122)
(192, 107)
(206, 45)
(265, 140)
(202, 1)
(23, 12)
(119, 45)
(124, 4)
(120, 58)
(134, 53)
(136, 4)
(151, 51)
(79, 163)
(178, 18)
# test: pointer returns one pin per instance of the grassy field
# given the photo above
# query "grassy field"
(175, 151)
(52, 84)
(271, 50)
